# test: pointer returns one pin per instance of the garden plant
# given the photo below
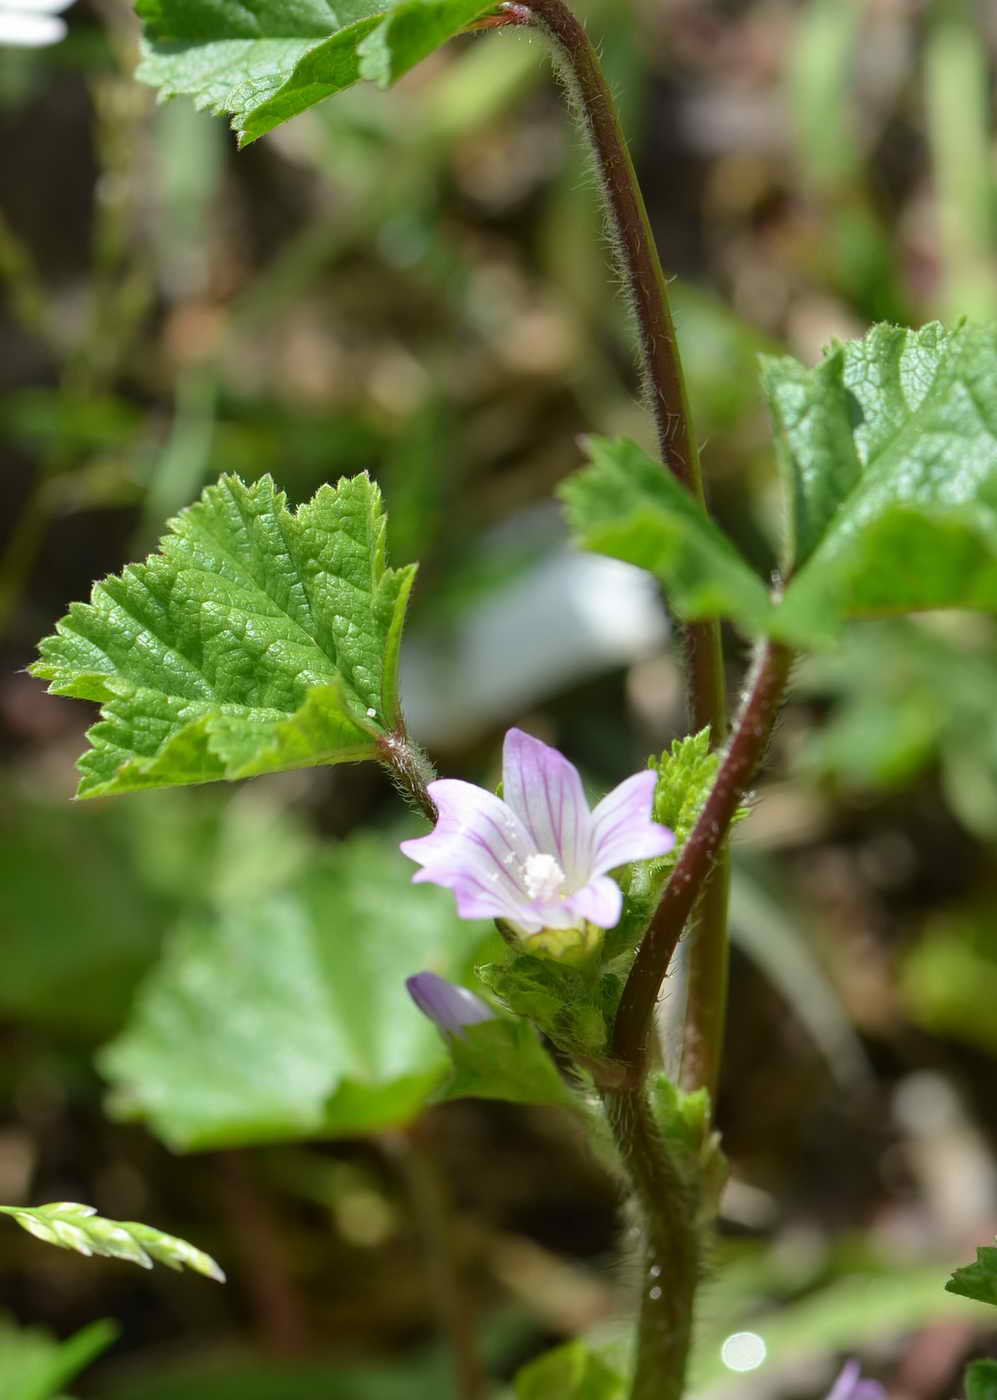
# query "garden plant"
(258, 639)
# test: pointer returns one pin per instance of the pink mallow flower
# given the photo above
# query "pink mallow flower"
(537, 857)
(851, 1386)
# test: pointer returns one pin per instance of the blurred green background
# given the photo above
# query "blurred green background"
(415, 283)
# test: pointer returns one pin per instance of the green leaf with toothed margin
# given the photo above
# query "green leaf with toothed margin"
(627, 505)
(258, 639)
(69, 1225)
(978, 1280)
(889, 452)
(265, 64)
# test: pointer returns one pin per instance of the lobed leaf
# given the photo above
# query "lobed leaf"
(626, 505)
(978, 1280)
(286, 1017)
(266, 64)
(889, 449)
(257, 640)
(72, 1226)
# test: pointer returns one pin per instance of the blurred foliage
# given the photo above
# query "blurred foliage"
(413, 282)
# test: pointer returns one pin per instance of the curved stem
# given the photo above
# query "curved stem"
(672, 1263)
(696, 865)
(665, 390)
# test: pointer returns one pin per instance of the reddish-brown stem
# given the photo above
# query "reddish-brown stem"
(664, 383)
(696, 863)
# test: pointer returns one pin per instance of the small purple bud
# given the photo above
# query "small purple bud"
(851, 1386)
(450, 1007)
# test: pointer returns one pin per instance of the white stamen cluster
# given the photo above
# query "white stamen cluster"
(543, 877)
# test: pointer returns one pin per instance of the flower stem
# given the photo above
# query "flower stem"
(697, 862)
(664, 384)
(672, 1264)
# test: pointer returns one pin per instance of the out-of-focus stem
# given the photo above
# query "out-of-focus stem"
(433, 1213)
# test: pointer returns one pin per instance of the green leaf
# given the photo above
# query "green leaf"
(34, 1366)
(267, 64)
(685, 777)
(570, 1372)
(889, 448)
(630, 507)
(683, 1120)
(72, 1226)
(981, 1380)
(979, 1280)
(287, 1017)
(256, 640)
(503, 1059)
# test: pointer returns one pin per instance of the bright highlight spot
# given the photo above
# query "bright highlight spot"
(743, 1351)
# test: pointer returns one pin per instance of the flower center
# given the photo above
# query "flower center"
(543, 877)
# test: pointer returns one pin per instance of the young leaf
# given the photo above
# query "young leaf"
(35, 1366)
(981, 1380)
(630, 507)
(287, 1016)
(256, 640)
(72, 1226)
(979, 1280)
(269, 63)
(889, 449)
(503, 1059)
(570, 1372)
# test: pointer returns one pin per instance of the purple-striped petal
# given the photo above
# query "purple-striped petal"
(600, 902)
(545, 792)
(478, 849)
(449, 1006)
(622, 827)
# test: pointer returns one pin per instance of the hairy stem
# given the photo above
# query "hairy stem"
(665, 390)
(410, 770)
(696, 864)
(671, 1265)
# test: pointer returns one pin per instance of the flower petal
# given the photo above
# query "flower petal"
(478, 849)
(622, 825)
(450, 1007)
(600, 901)
(851, 1386)
(545, 792)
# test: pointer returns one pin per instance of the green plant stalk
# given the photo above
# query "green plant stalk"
(664, 384)
(672, 1262)
(957, 109)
